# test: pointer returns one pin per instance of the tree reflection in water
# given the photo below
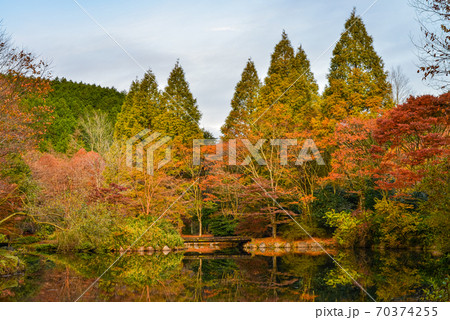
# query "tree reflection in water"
(388, 276)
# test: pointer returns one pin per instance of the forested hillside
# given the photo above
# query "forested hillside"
(72, 102)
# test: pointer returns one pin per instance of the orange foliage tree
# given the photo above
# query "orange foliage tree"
(65, 184)
(352, 163)
(79, 174)
(23, 77)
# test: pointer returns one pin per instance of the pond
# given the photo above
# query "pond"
(230, 275)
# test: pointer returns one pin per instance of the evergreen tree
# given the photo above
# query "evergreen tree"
(289, 86)
(357, 82)
(122, 125)
(243, 103)
(278, 74)
(141, 106)
(303, 95)
(180, 115)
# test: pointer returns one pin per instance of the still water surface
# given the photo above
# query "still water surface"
(227, 276)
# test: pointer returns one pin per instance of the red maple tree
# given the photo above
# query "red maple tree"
(411, 138)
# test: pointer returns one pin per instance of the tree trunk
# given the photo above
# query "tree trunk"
(274, 226)
(361, 201)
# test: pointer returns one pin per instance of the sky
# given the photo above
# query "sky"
(111, 43)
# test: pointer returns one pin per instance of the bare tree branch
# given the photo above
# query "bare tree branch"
(434, 48)
(400, 85)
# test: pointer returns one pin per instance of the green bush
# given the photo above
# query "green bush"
(352, 229)
(291, 231)
(98, 228)
(159, 234)
(399, 225)
(393, 224)
(436, 210)
(88, 229)
(221, 226)
(331, 198)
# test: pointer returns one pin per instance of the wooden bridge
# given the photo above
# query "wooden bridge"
(208, 240)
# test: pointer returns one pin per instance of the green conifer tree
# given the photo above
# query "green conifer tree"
(278, 74)
(180, 115)
(289, 85)
(357, 82)
(303, 93)
(140, 107)
(122, 127)
(243, 103)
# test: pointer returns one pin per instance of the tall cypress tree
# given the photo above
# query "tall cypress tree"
(140, 107)
(243, 103)
(122, 127)
(289, 84)
(281, 59)
(303, 95)
(357, 82)
(147, 101)
(280, 67)
(180, 115)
